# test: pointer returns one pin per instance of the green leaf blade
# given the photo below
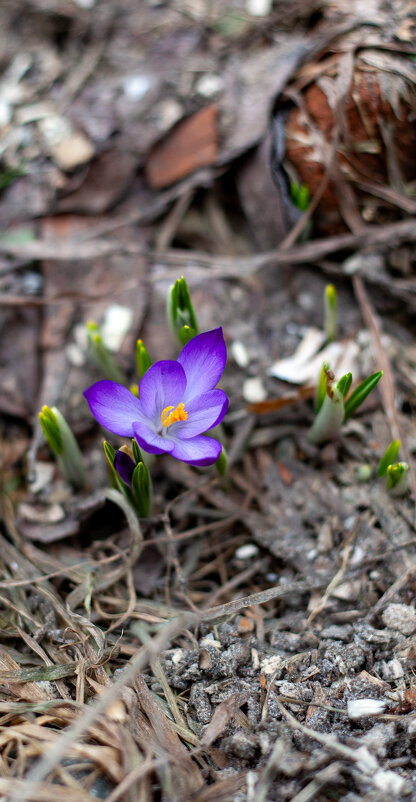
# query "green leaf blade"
(360, 393)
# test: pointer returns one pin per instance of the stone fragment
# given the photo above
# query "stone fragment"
(401, 617)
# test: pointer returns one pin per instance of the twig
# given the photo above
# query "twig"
(387, 385)
(338, 576)
(388, 236)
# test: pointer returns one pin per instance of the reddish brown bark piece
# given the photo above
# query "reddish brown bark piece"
(191, 144)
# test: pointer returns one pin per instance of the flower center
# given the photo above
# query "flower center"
(172, 415)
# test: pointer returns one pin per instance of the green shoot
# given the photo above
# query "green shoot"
(180, 312)
(62, 443)
(397, 478)
(330, 312)
(361, 392)
(141, 490)
(101, 356)
(142, 358)
(333, 406)
(300, 196)
(221, 463)
(321, 387)
(390, 455)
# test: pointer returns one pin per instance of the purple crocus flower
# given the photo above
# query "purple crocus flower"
(177, 403)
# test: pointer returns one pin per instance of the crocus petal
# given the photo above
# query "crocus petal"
(199, 450)
(204, 412)
(150, 441)
(114, 407)
(124, 466)
(203, 360)
(162, 385)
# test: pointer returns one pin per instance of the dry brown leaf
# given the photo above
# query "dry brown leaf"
(191, 144)
(223, 714)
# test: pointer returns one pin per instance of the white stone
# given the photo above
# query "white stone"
(254, 390)
(136, 86)
(392, 669)
(209, 85)
(75, 355)
(271, 664)
(80, 336)
(240, 354)
(259, 8)
(117, 322)
(5, 114)
(177, 655)
(168, 112)
(389, 782)
(401, 617)
(68, 148)
(246, 552)
(209, 640)
(349, 522)
(357, 556)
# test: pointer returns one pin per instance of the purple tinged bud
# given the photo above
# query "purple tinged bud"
(124, 466)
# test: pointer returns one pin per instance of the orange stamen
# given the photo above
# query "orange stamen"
(168, 417)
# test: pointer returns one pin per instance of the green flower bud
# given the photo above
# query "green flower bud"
(63, 444)
(142, 358)
(180, 310)
(221, 463)
(388, 458)
(141, 490)
(330, 312)
(398, 478)
(321, 387)
(101, 356)
(186, 334)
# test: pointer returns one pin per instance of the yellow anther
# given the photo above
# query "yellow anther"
(168, 417)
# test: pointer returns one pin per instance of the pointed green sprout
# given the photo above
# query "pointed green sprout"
(321, 386)
(300, 196)
(330, 312)
(361, 392)
(334, 409)
(137, 454)
(344, 384)
(63, 444)
(110, 453)
(141, 490)
(186, 334)
(181, 314)
(396, 473)
(389, 457)
(101, 356)
(142, 358)
(398, 478)
(221, 463)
